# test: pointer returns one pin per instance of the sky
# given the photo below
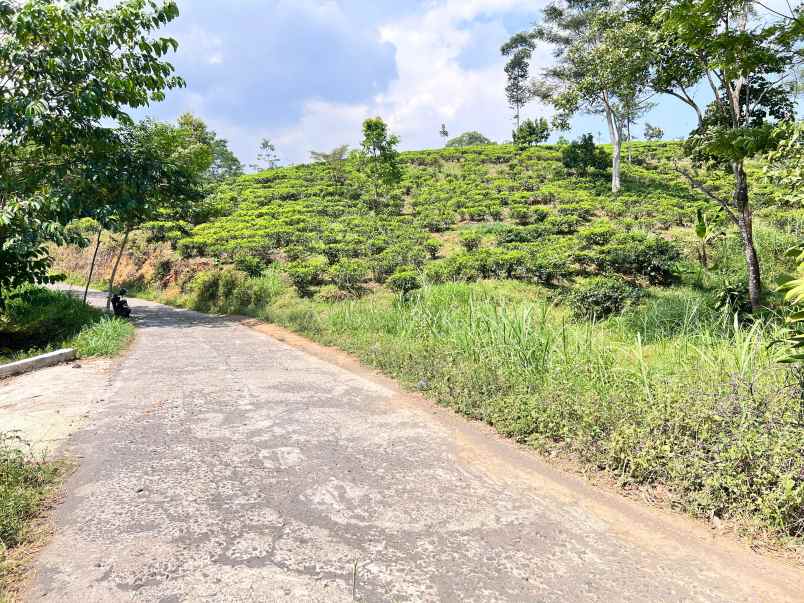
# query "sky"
(306, 73)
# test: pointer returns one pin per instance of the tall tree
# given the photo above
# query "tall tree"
(747, 59)
(468, 139)
(200, 140)
(266, 155)
(64, 68)
(148, 172)
(601, 67)
(443, 132)
(379, 159)
(653, 132)
(518, 91)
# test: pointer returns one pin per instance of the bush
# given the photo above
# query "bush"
(331, 294)
(602, 296)
(404, 281)
(306, 273)
(470, 240)
(35, 317)
(597, 234)
(253, 266)
(584, 155)
(349, 274)
(640, 254)
(460, 267)
(433, 247)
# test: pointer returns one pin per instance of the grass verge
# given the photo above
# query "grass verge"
(36, 320)
(26, 484)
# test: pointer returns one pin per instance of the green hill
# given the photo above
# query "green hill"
(570, 319)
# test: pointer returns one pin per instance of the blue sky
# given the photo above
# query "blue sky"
(305, 73)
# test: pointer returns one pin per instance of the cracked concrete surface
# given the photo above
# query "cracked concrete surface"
(47, 406)
(227, 465)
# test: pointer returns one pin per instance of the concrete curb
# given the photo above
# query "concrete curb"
(36, 363)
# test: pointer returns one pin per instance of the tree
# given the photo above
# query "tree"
(267, 155)
(531, 133)
(518, 91)
(468, 139)
(583, 155)
(145, 172)
(335, 161)
(25, 234)
(747, 62)
(379, 159)
(64, 68)
(653, 132)
(601, 67)
(444, 133)
(223, 164)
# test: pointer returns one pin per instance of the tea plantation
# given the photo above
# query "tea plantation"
(526, 295)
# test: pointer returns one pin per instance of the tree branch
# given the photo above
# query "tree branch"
(707, 191)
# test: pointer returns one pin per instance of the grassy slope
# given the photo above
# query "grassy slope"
(669, 393)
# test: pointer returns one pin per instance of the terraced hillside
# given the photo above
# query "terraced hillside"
(525, 295)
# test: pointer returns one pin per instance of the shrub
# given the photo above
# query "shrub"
(349, 274)
(253, 266)
(35, 317)
(732, 298)
(583, 155)
(470, 240)
(640, 254)
(404, 281)
(456, 268)
(526, 215)
(602, 296)
(562, 224)
(597, 234)
(433, 247)
(306, 273)
(331, 294)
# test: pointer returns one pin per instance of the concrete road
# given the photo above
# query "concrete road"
(227, 465)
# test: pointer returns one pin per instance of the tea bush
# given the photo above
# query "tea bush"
(600, 297)
(404, 281)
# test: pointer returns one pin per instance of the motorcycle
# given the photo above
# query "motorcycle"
(120, 305)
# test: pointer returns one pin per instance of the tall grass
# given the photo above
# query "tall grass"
(25, 482)
(673, 393)
(37, 320)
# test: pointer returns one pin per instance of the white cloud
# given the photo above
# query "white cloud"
(432, 86)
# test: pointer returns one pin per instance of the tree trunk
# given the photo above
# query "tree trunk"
(92, 265)
(629, 142)
(746, 226)
(616, 135)
(114, 270)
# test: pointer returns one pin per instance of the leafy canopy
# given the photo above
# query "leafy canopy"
(531, 133)
(65, 67)
(468, 139)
